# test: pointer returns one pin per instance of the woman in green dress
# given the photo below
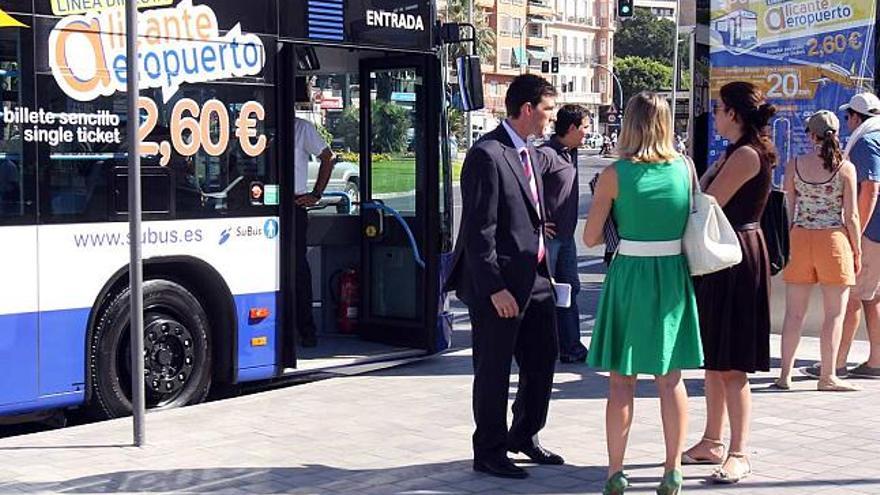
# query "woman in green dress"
(647, 318)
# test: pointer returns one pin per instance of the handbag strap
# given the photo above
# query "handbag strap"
(695, 183)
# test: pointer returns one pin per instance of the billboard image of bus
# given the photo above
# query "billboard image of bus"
(806, 55)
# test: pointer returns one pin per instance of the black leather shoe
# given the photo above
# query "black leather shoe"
(502, 468)
(564, 358)
(539, 455)
(309, 341)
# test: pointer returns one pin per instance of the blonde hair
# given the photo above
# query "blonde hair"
(646, 135)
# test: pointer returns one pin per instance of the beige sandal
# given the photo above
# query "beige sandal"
(723, 475)
(688, 458)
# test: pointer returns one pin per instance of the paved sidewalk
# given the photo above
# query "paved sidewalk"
(407, 431)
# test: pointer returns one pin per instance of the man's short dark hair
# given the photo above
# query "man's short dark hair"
(567, 116)
(861, 115)
(527, 88)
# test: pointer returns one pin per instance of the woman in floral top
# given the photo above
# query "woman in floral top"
(825, 245)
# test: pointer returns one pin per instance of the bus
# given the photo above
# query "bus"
(804, 55)
(221, 83)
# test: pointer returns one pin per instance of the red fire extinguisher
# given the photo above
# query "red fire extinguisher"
(349, 299)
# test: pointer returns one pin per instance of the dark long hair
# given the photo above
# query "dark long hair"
(830, 152)
(754, 113)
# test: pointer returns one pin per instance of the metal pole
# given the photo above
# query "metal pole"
(135, 270)
(522, 47)
(616, 81)
(470, 121)
(675, 64)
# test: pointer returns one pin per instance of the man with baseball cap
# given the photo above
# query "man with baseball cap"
(862, 115)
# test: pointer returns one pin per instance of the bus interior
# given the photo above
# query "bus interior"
(372, 223)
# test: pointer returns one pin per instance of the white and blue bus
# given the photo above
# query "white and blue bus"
(221, 82)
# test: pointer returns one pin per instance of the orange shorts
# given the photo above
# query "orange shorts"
(820, 256)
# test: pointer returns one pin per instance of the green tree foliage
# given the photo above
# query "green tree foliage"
(457, 124)
(642, 74)
(390, 123)
(348, 128)
(458, 12)
(645, 35)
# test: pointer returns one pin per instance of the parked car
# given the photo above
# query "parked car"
(593, 141)
(345, 179)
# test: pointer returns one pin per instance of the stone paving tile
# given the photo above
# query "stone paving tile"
(407, 431)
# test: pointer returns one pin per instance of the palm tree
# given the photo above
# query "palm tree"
(458, 12)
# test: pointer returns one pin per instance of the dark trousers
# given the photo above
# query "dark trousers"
(305, 321)
(531, 339)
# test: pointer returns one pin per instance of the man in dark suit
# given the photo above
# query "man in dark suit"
(500, 271)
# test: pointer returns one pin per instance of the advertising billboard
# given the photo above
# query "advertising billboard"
(806, 55)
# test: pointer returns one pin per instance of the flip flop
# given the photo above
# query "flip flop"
(779, 384)
(836, 386)
(688, 459)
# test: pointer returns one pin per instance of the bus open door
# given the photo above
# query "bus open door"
(380, 114)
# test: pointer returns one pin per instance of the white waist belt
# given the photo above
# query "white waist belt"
(649, 248)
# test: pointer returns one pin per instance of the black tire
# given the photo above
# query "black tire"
(177, 352)
(353, 191)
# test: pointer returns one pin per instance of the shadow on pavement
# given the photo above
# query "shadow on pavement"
(436, 478)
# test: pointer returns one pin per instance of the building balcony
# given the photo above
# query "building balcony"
(540, 7)
(578, 97)
(539, 41)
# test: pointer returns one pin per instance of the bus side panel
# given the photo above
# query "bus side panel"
(19, 332)
(18, 358)
(62, 350)
(256, 336)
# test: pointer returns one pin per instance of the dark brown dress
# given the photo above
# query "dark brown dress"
(734, 304)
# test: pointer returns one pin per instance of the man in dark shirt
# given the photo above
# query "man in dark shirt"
(561, 192)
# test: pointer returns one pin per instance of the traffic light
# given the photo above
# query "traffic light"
(624, 8)
(545, 66)
(554, 65)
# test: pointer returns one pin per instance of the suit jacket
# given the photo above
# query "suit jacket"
(497, 245)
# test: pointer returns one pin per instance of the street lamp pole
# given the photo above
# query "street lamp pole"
(522, 44)
(675, 65)
(616, 80)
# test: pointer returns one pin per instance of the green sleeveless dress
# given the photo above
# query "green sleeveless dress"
(647, 318)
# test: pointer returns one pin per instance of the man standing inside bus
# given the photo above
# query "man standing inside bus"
(561, 196)
(307, 141)
(500, 272)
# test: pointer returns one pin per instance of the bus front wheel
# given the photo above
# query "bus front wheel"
(177, 354)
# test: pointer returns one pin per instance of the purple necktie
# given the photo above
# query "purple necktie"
(533, 187)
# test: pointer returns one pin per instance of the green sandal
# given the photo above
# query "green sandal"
(616, 484)
(671, 484)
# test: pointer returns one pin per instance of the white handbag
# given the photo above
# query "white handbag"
(709, 243)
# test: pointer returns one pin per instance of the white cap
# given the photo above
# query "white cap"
(863, 103)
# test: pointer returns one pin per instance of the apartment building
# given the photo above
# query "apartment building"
(659, 8)
(582, 36)
(528, 32)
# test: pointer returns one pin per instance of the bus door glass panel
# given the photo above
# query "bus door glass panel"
(395, 282)
(18, 231)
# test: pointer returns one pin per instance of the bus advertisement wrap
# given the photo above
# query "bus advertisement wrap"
(806, 55)
(180, 44)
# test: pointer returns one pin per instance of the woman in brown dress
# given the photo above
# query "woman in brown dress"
(734, 304)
